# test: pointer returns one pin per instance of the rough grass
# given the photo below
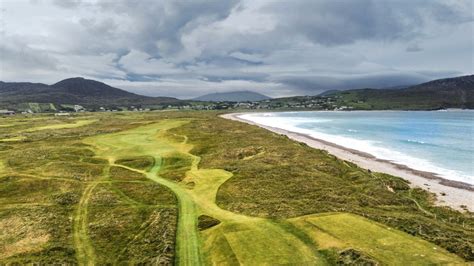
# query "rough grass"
(35, 234)
(44, 174)
(141, 163)
(175, 166)
(354, 257)
(146, 193)
(122, 174)
(128, 230)
(206, 222)
(107, 192)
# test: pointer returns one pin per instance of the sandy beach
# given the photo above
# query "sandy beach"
(448, 192)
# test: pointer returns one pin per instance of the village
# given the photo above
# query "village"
(291, 103)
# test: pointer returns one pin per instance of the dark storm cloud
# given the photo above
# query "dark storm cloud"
(67, 3)
(187, 48)
(414, 48)
(318, 84)
(158, 25)
(105, 27)
(17, 55)
(342, 22)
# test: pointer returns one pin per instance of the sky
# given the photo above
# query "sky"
(187, 48)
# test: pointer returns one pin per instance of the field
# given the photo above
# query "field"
(192, 188)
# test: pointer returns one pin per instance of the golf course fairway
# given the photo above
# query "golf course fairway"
(79, 123)
(241, 239)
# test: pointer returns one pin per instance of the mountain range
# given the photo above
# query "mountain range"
(455, 92)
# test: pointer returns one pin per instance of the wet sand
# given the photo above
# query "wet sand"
(448, 192)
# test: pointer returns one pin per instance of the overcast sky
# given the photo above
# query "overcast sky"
(186, 48)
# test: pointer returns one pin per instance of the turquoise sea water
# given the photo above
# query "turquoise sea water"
(441, 142)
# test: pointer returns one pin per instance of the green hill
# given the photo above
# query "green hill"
(438, 94)
(89, 93)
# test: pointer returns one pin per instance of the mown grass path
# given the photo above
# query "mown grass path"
(84, 250)
(78, 123)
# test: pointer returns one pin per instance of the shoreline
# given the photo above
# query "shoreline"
(448, 192)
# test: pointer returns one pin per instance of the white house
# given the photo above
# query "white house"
(78, 108)
(62, 114)
(7, 112)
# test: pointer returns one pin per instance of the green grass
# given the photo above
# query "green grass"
(431, 97)
(38, 107)
(384, 244)
(78, 123)
(134, 188)
(257, 241)
(14, 139)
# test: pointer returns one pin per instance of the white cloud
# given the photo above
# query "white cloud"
(141, 63)
(190, 88)
(188, 48)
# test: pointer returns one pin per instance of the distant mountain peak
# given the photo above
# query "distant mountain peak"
(77, 80)
(328, 92)
(233, 96)
(89, 87)
(77, 90)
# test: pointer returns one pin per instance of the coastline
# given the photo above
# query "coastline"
(448, 192)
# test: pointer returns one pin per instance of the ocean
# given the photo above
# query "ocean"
(441, 142)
